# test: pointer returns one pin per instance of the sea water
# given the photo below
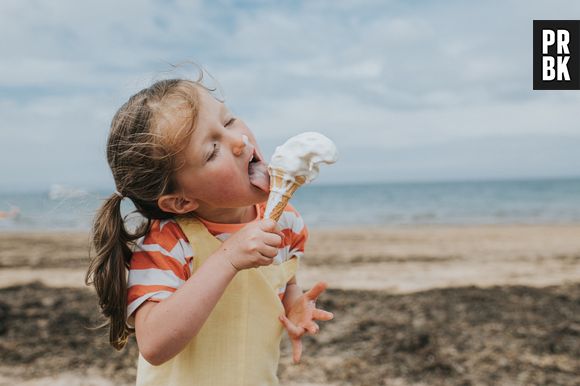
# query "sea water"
(549, 201)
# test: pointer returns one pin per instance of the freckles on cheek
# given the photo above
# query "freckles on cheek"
(229, 182)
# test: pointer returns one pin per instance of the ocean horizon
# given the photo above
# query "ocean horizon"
(516, 201)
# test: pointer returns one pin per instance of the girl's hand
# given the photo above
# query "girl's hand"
(301, 317)
(254, 245)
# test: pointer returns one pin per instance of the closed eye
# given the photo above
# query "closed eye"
(230, 122)
(216, 148)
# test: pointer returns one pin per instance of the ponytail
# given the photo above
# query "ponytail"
(108, 267)
(143, 163)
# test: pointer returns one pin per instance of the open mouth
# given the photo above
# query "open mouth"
(258, 172)
(255, 158)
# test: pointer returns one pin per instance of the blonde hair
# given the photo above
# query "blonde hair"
(143, 155)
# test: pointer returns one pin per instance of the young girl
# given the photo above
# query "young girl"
(206, 284)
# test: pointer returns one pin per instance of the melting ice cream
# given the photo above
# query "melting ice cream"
(295, 163)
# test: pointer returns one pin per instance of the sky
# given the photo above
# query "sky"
(408, 90)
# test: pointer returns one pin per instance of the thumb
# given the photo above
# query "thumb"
(315, 291)
(278, 229)
(268, 225)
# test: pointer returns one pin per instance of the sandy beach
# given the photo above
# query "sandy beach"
(422, 305)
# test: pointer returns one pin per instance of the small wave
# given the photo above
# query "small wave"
(59, 192)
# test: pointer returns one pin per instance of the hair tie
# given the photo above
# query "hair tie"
(117, 193)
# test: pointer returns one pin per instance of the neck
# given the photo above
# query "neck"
(228, 215)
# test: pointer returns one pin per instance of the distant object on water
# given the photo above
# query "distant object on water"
(12, 213)
(58, 192)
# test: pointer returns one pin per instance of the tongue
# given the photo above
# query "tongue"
(259, 176)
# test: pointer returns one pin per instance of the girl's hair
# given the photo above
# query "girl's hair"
(147, 135)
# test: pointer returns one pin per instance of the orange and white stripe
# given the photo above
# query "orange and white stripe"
(162, 260)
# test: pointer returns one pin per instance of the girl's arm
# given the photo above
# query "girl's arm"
(163, 329)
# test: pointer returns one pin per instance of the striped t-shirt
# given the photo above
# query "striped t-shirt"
(162, 260)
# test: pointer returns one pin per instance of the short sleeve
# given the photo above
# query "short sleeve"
(159, 265)
(298, 232)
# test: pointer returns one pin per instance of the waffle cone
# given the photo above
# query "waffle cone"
(282, 188)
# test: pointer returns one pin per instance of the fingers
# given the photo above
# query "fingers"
(322, 315)
(273, 239)
(296, 350)
(281, 234)
(293, 330)
(268, 251)
(273, 235)
(312, 328)
(315, 291)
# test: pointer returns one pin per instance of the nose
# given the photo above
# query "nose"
(239, 145)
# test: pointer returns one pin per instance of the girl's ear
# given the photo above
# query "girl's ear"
(174, 203)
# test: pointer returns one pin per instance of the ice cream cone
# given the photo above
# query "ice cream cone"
(282, 188)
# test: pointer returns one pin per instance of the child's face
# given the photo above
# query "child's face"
(216, 161)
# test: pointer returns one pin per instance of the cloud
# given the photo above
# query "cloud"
(397, 76)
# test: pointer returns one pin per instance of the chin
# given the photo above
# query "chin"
(261, 196)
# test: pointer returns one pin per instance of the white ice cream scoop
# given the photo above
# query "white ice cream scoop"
(302, 155)
(293, 164)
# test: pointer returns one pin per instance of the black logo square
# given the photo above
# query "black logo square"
(556, 55)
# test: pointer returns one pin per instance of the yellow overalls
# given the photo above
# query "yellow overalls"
(239, 344)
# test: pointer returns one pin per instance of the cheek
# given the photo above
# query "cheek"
(226, 188)
(226, 170)
(226, 176)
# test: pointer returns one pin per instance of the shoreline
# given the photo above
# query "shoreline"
(393, 259)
